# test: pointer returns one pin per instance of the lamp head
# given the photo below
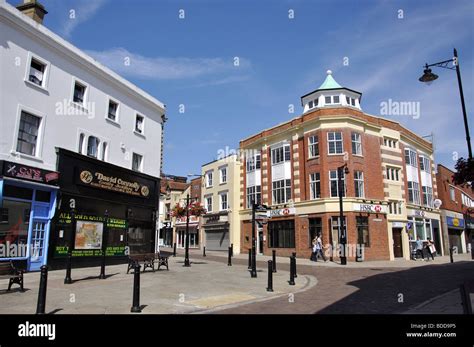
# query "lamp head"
(428, 76)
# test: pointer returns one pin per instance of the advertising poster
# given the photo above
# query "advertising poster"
(88, 235)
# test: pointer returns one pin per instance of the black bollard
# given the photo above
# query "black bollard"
(204, 251)
(174, 250)
(294, 264)
(231, 249)
(136, 289)
(40, 307)
(250, 259)
(67, 279)
(292, 273)
(229, 257)
(451, 254)
(102, 267)
(274, 262)
(270, 276)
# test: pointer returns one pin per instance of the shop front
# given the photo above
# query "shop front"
(27, 204)
(217, 231)
(424, 225)
(102, 208)
(193, 230)
(456, 233)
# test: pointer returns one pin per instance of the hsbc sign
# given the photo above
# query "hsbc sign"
(370, 208)
(281, 212)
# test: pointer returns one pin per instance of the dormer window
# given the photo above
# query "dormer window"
(310, 104)
(331, 100)
(350, 101)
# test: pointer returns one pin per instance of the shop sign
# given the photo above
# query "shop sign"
(281, 212)
(182, 220)
(99, 180)
(369, 208)
(455, 222)
(398, 224)
(418, 213)
(110, 251)
(24, 172)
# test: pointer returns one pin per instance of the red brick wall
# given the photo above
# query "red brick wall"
(444, 180)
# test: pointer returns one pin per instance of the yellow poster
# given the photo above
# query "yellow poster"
(88, 235)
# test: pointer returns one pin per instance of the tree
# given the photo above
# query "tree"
(464, 174)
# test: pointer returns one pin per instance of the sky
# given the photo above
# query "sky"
(229, 69)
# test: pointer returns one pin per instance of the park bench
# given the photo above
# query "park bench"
(9, 271)
(147, 260)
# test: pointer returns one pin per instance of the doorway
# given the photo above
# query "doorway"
(397, 242)
(260, 242)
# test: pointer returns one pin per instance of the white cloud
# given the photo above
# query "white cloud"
(135, 65)
(82, 12)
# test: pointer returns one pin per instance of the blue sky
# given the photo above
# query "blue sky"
(190, 61)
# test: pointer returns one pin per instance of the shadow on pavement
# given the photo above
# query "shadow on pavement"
(398, 291)
(88, 278)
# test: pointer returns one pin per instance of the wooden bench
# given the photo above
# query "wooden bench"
(9, 271)
(147, 260)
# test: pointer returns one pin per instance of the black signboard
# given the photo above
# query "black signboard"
(29, 173)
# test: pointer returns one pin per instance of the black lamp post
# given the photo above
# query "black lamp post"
(255, 207)
(342, 170)
(429, 77)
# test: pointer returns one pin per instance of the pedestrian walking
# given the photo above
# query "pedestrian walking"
(419, 248)
(319, 249)
(430, 247)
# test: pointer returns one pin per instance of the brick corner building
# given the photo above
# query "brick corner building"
(292, 168)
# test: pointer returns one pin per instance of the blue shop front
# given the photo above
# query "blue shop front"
(27, 204)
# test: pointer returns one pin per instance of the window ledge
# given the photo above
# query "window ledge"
(26, 156)
(34, 85)
(113, 122)
(358, 155)
(335, 154)
(315, 157)
(79, 106)
(139, 134)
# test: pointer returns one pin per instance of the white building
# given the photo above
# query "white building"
(53, 95)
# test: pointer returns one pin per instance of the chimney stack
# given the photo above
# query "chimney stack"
(33, 9)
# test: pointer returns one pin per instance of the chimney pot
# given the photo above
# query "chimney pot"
(33, 9)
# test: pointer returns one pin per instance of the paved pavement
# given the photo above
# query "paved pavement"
(368, 287)
(205, 286)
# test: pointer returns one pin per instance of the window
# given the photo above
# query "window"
(350, 101)
(362, 225)
(223, 175)
(281, 234)
(390, 142)
(315, 185)
(92, 146)
(81, 143)
(427, 196)
(424, 164)
(28, 133)
(280, 154)
(310, 104)
(316, 101)
(254, 194)
(112, 113)
(335, 230)
(313, 146)
(395, 207)
(139, 124)
(253, 162)
(334, 184)
(37, 72)
(410, 157)
(104, 151)
(466, 200)
(359, 184)
(413, 192)
(334, 99)
(335, 142)
(281, 191)
(315, 229)
(452, 193)
(224, 203)
(137, 161)
(356, 144)
(208, 203)
(209, 179)
(79, 93)
(327, 100)
(392, 173)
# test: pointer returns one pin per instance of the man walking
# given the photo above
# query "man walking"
(419, 248)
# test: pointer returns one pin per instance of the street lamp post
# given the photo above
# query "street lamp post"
(429, 77)
(253, 271)
(186, 239)
(342, 227)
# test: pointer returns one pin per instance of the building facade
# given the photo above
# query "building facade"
(55, 99)
(220, 197)
(457, 212)
(293, 169)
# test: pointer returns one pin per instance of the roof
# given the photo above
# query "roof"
(51, 39)
(329, 82)
(165, 183)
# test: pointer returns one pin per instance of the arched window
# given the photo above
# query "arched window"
(104, 151)
(81, 143)
(92, 146)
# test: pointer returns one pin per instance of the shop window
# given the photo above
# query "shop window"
(362, 224)
(281, 234)
(3, 215)
(28, 134)
(335, 232)
(315, 229)
(17, 192)
(14, 227)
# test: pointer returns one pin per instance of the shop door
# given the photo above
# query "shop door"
(260, 242)
(397, 243)
(38, 234)
(455, 239)
(217, 240)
